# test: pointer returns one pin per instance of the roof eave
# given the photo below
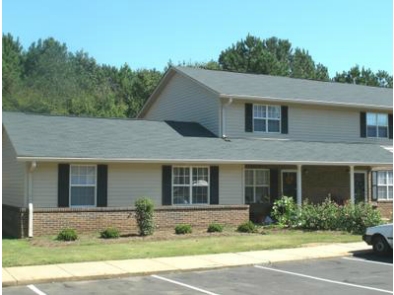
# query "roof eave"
(198, 161)
(309, 102)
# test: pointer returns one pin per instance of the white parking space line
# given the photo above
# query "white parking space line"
(324, 280)
(36, 290)
(367, 261)
(183, 285)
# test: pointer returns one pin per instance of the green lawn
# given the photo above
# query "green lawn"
(45, 250)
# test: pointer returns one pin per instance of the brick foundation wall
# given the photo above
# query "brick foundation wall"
(49, 221)
(385, 208)
(15, 221)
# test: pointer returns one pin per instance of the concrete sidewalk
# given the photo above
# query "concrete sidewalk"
(12, 276)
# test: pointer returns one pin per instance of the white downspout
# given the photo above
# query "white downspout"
(230, 101)
(30, 196)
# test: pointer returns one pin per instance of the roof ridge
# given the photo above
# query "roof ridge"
(280, 77)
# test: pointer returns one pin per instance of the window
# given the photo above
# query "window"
(383, 185)
(190, 185)
(82, 185)
(377, 125)
(266, 118)
(257, 186)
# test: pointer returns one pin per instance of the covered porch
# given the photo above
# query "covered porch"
(342, 184)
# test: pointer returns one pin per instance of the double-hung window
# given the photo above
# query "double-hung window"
(257, 186)
(83, 184)
(377, 125)
(190, 185)
(383, 185)
(266, 118)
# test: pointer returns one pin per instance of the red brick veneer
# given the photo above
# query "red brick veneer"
(51, 220)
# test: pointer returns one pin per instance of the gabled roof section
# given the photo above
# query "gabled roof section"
(95, 140)
(281, 89)
(252, 86)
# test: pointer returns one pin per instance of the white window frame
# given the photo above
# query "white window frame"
(255, 185)
(267, 118)
(377, 125)
(190, 185)
(386, 185)
(83, 185)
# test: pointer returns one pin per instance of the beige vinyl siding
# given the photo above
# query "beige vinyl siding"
(231, 184)
(312, 123)
(44, 185)
(14, 175)
(184, 100)
(129, 182)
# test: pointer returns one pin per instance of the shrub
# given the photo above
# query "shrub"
(330, 216)
(247, 227)
(67, 234)
(182, 229)
(215, 227)
(144, 215)
(110, 233)
(285, 211)
(326, 216)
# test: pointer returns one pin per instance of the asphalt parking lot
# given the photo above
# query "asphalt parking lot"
(361, 274)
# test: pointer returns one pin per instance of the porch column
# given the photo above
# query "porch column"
(299, 185)
(351, 171)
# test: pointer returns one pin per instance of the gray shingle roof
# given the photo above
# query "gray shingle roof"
(74, 138)
(251, 86)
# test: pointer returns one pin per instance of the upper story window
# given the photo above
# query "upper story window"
(377, 125)
(266, 118)
(190, 185)
(83, 185)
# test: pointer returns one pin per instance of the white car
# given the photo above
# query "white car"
(380, 237)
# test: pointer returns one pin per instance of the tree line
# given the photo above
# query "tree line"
(48, 78)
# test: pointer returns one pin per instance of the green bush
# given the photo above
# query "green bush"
(110, 233)
(67, 234)
(247, 227)
(285, 211)
(326, 216)
(215, 227)
(182, 229)
(144, 215)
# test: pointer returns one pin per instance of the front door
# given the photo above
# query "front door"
(289, 183)
(359, 187)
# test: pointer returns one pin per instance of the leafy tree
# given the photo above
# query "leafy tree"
(12, 69)
(365, 77)
(272, 56)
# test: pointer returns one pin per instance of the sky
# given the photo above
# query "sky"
(148, 33)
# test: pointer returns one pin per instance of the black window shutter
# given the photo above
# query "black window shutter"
(284, 120)
(248, 117)
(63, 185)
(214, 185)
(374, 186)
(363, 124)
(166, 185)
(102, 185)
(274, 180)
(391, 126)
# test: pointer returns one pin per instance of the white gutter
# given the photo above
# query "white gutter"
(194, 161)
(308, 101)
(30, 196)
(224, 106)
